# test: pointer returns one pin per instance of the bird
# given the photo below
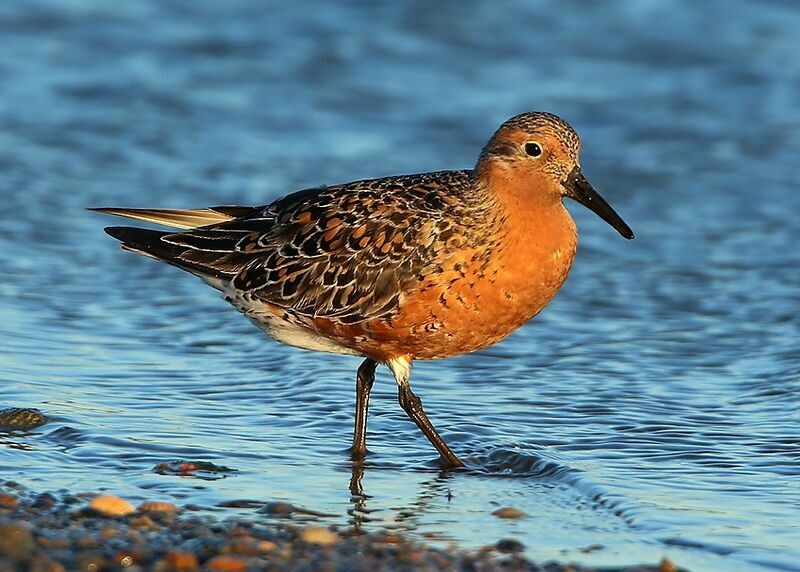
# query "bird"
(399, 268)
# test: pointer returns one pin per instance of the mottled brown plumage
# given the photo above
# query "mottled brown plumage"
(399, 268)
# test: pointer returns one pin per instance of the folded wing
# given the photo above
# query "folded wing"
(347, 253)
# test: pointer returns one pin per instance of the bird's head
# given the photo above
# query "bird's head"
(538, 151)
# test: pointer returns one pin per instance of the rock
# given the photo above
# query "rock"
(266, 546)
(163, 542)
(318, 535)
(44, 501)
(21, 419)
(240, 503)
(51, 542)
(142, 521)
(110, 505)
(509, 545)
(41, 563)
(278, 508)
(667, 566)
(243, 545)
(179, 561)
(108, 532)
(124, 559)
(389, 538)
(226, 564)
(7, 501)
(508, 512)
(91, 562)
(88, 541)
(199, 469)
(16, 540)
(157, 506)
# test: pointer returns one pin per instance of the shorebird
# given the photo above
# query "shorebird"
(399, 268)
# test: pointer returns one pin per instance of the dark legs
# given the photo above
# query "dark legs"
(364, 380)
(412, 405)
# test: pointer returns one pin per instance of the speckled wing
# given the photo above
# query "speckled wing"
(346, 253)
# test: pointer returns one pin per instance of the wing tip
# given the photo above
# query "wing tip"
(118, 232)
(132, 235)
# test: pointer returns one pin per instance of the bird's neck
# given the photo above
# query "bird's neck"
(536, 242)
(525, 203)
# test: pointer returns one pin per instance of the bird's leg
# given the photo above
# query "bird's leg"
(412, 405)
(364, 380)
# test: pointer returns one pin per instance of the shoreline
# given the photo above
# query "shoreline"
(46, 532)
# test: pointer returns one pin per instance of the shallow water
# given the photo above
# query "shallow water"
(652, 409)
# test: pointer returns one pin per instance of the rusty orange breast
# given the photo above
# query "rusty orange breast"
(477, 300)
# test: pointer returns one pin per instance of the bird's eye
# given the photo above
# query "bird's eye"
(533, 149)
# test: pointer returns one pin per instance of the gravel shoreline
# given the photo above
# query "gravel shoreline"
(65, 532)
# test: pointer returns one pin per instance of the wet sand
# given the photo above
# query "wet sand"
(47, 532)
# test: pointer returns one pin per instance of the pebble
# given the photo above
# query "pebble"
(45, 564)
(592, 548)
(179, 561)
(226, 564)
(21, 419)
(508, 512)
(124, 559)
(108, 532)
(278, 508)
(389, 538)
(44, 501)
(667, 566)
(241, 503)
(157, 506)
(143, 521)
(16, 540)
(266, 546)
(245, 545)
(89, 542)
(110, 505)
(7, 501)
(200, 469)
(52, 536)
(92, 562)
(509, 546)
(318, 535)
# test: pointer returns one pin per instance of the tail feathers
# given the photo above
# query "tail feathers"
(149, 243)
(180, 218)
(142, 241)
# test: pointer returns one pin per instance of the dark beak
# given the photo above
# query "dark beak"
(578, 188)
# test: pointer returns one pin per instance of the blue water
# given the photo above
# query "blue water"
(653, 409)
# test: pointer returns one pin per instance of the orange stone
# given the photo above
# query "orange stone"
(158, 506)
(318, 535)
(226, 564)
(7, 501)
(180, 561)
(110, 505)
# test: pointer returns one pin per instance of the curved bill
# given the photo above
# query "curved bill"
(579, 189)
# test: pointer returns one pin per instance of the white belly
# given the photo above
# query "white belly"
(298, 336)
(281, 328)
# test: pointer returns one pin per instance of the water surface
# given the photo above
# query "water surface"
(652, 409)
